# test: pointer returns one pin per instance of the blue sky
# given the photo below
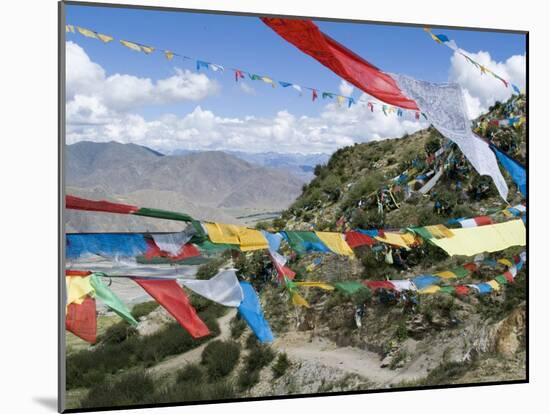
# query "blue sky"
(244, 42)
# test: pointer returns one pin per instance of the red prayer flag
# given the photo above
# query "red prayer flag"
(187, 251)
(81, 320)
(379, 284)
(483, 220)
(313, 94)
(462, 290)
(307, 37)
(509, 277)
(282, 270)
(77, 203)
(472, 267)
(171, 297)
(355, 239)
(71, 272)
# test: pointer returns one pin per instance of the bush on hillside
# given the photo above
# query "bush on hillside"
(143, 309)
(220, 357)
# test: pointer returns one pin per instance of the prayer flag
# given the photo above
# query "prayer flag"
(111, 300)
(251, 311)
(172, 298)
(81, 320)
(335, 242)
(223, 288)
(307, 37)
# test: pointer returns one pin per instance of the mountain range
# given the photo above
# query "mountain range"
(210, 185)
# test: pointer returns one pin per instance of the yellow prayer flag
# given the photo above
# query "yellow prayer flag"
(341, 99)
(429, 290)
(86, 32)
(494, 284)
(69, 28)
(439, 231)
(395, 239)
(169, 55)
(491, 238)
(250, 239)
(335, 242)
(247, 239)
(299, 300)
(78, 287)
(131, 45)
(267, 79)
(105, 38)
(320, 285)
(147, 49)
(446, 275)
(505, 262)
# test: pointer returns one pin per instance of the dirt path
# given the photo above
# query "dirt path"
(171, 364)
(354, 360)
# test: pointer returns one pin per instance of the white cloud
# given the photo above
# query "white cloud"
(482, 91)
(102, 108)
(346, 88)
(122, 92)
(246, 88)
(202, 129)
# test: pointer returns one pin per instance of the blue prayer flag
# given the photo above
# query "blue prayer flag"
(515, 169)
(251, 311)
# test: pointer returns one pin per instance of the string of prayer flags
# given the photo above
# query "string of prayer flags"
(111, 300)
(172, 298)
(451, 44)
(94, 35)
(251, 311)
(81, 320)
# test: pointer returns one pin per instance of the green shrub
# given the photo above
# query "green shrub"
(220, 357)
(237, 326)
(144, 309)
(208, 270)
(259, 357)
(118, 333)
(247, 378)
(281, 365)
(190, 373)
(130, 388)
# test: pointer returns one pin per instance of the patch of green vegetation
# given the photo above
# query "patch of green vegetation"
(118, 333)
(220, 357)
(259, 356)
(237, 326)
(190, 373)
(208, 270)
(281, 365)
(143, 309)
(88, 367)
(130, 388)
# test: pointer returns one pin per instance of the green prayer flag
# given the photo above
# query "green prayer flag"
(460, 272)
(349, 287)
(209, 247)
(422, 232)
(111, 300)
(447, 289)
(156, 213)
(501, 279)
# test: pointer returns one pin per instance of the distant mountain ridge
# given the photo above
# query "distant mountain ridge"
(301, 165)
(213, 178)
